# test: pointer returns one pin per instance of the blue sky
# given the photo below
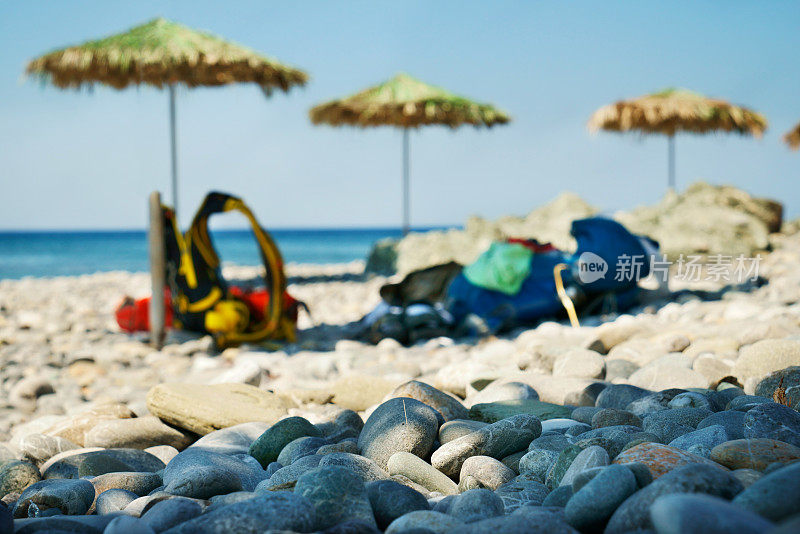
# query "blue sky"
(88, 159)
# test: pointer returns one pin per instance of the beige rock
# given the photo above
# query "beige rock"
(580, 363)
(136, 433)
(75, 428)
(203, 409)
(764, 357)
(448, 406)
(165, 453)
(658, 377)
(359, 392)
(713, 368)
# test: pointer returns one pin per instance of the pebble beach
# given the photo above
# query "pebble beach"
(679, 416)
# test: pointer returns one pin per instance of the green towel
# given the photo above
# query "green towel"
(504, 267)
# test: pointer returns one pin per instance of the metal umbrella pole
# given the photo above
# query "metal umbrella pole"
(406, 186)
(173, 148)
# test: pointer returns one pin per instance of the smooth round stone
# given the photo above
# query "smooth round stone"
(202, 474)
(612, 438)
(701, 514)
(424, 521)
(503, 391)
(642, 474)
(587, 396)
(537, 463)
(518, 524)
(398, 425)
(559, 497)
(580, 363)
(584, 414)
(490, 473)
(731, 420)
(660, 459)
(588, 458)
(345, 424)
(6, 519)
(785, 378)
(114, 500)
(611, 417)
(218, 501)
(686, 416)
(619, 396)
(364, 468)
(617, 368)
(754, 453)
(68, 464)
(135, 433)
(40, 447)
(127, 525)
(651, 403)
(554, 442)
(274, 511)
(168, 513)
(269, 445)
(512, 461)
(458, 428)
(139, 484)
(421, 472)
(492, 412)
(577, 430)
(288, 475)
(165, 453)
(775, 496)
(773, 421)
(594, 503)
(690, 399)
(347, 446)
(476, 504)
(747, 476)
(16, 475)
(634, 513)
(497, 440)
(449, 407)
(745, 403)
(559, 425)
(100, 465)
(352, 526)
(708, 438)
(235, 439)
(584, 477)
(202, 409)
(523, 490)
(390, 500)
(719, 399)
(300, 447)
(71, 497)
(561, 465)
(336, 494)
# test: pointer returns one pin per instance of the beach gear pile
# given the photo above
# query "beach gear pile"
(199, 299)
(516, 282)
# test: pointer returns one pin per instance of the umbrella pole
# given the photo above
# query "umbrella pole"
(671, 162)
(406, 187)
(173, 148)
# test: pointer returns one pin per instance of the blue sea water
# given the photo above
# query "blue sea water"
(42, 253)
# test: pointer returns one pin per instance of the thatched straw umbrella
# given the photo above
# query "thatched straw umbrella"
(406, 102)
(163, 53)
(677, 110)
(792, 137)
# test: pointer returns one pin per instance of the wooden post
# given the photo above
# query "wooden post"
(158, 271)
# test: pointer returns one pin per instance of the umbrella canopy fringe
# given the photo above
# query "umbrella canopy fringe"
(677, 110)
(792, 137)
(160, 53)
(407, 103)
